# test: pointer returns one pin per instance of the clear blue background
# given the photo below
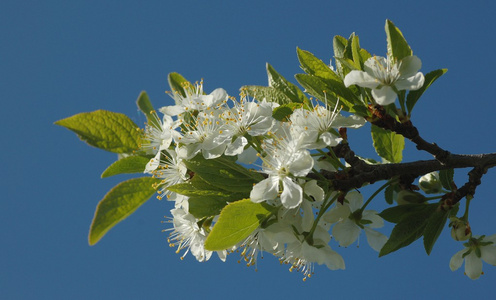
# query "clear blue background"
(59, 58)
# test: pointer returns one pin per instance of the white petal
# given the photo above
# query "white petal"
(152, 165)
(491, 238)
(473, 266)
(457, 260)
(172, 110)
(266, 189)
(488, 254)
(360, 78)
(337, 213)
(355, 200)
(410, 65)
(375, 239)
(248, 156)
(384, 96)
(237, 146)
(352, 121)
(292, 193)
(411, 83)
(302, 165)
(219, 95)
(333, 260)
(371, 215)
(346, 232)
(313, 190)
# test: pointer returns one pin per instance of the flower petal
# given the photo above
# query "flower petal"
(360, 78)
(346, 232)
(488, 254)
(410, 83)
(266, 189)
(384, 96)
(375, 239)
(292, 193)
(473, 266)
(457, 260)
(410, 65)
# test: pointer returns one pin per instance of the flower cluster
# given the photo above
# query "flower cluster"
(216, 125)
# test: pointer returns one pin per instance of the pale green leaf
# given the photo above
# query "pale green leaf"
(236, 222)
(268, 93)
(314, 66)
(280, 83)
(388, 144)
(177, 83)
(106, 130)
(118, 204)
(127, 165)
(146, 107)
(397, 46)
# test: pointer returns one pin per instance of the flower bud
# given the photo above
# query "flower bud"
(409, 197)
(460, 230)
(430, 183)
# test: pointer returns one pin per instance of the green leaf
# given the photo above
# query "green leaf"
(433, 229)
(408, 230)
(446, 178)
(355, 52)
(397, 47)
(205, 200)
(106, 130)
(266, 92)
(280, 83)
(389, 193)
(413, 96)
(283, 112)
(397, 213)
(224, 174)
(118, 204)
(146, 107)
(127, 165)
(236, 222)
(314, 66)
(388, 144)
(327, 90)
(177, 83)
(339, 45)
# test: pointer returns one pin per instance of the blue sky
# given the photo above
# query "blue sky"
(59, 58)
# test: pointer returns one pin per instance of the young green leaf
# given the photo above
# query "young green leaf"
(327, 90)
(268, 93)
(127, 165)
(413, 96)
(106, 130)
(177, 83)
(433, 229)
(397, 47)
(339, 45)
(118, 204)
(314, 66)
(236, 222)
(388, 144)
(280, 83)
(146, 107)
(283, 112)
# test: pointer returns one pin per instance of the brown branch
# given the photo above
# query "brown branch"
(358, 175)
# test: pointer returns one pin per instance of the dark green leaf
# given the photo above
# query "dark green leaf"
(413, 96)
(433, 229)
(408, 230)
(106, 130)
(224, 174)
(446, 178)
(127, 165)
(119, 203)
(389, 194)
(397, 213)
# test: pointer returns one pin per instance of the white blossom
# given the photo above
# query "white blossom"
(385, 77)
(477, 249)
